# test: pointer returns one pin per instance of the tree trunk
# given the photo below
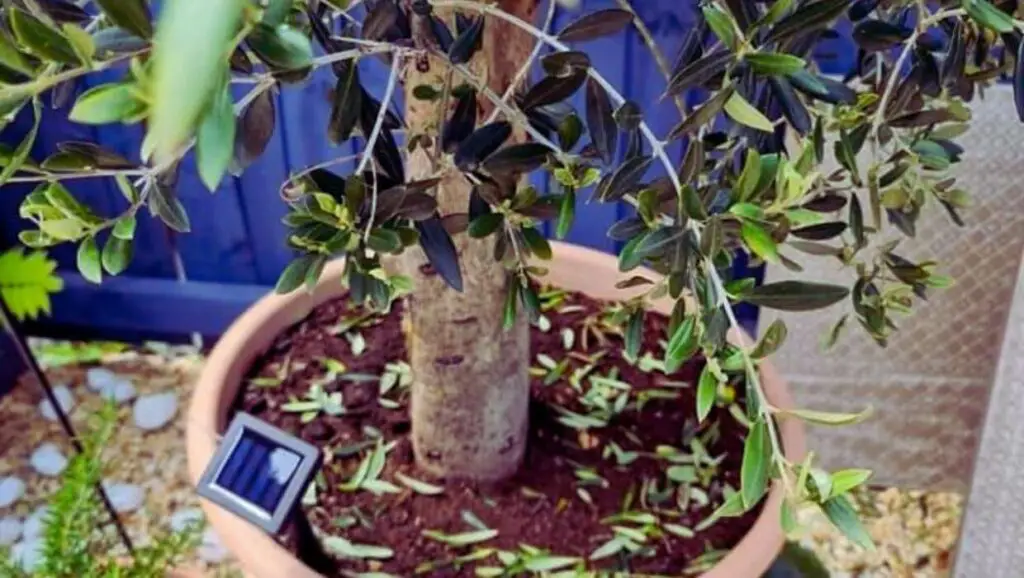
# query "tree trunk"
(470, 394)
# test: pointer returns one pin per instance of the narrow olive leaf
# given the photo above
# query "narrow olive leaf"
(604, 131)
(1018, 82)
(756, 466)
(467, 43)
(820, 232)
(379, 19)
(693, 161)
(418, 486)
(64, 11)
(634, 334)
(294, 275)
(12, 57)
(988, 15)
(721, 24)
(117, 254)
(701, 115)
(40, 39)
(629, 116)
(565, 63)
(88, 260)
(552, 89)
(131, 15)
(699, 72)
(626, 229)
(809, 18)
(707, 392)
(461, 124)
(595, 25)
(485, 225)
(624, 179)
(97, 156)
(749, 177)
(215, 139)
(828, 418)
(481, 144)
(795, 295)
(741, 111)
(845, 480)
(255, 127)
(104, 104)
(538, 245)
(792, 108)
(346, 106)
(778, 9)
(771, 341)
(878, 35)
(511, 299)
(566, 214)
(164, 203)
(440, 251)
(185, 75)
(693, 206)
(840, 512)
(520, 158)
(775, 63)
(17, 159)
(682, 345)
(758, 240)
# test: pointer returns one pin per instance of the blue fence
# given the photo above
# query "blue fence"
(236, 249)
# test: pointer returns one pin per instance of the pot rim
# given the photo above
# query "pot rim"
(573, 267)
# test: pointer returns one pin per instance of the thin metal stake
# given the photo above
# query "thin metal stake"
(21, 345)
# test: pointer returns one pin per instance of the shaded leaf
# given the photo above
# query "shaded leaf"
(347, 104)
(379, 19)
(552, 89)
(462, 121)
(282, 46)
(820, 232)
(523, 157)
(255, 127)
(467, 43)
(794, 110)
(624, 179)
(595, 25)
(840, 512)
(807, 19)
(485, 225)
(132, 15)
(42, 40)
(604, 131)
(565, 63)
(795, 295)
(699, 72)
(164, 203)
(481, 144)
(702, 114)
(440, 251)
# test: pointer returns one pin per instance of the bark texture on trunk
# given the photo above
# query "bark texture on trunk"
(470, 395)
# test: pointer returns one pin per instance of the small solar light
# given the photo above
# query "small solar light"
(260, 473)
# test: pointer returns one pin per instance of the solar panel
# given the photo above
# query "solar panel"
(259, 472)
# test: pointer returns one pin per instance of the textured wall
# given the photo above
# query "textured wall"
(930, 387)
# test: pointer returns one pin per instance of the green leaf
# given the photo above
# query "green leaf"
(418, 486)
(707, 392)
(124, 228)
(759, 241)
(105, 103)
(771, 340)
(40, 39)
(566, 214)
(757, 461)
(26, 282)
(682, 345)
(548, 563)
(828, 418)
(81, 42)
(282, 46)
(845, 480)
(988, 15)
(634, 334)
(342, 547)
(186, 69)
(721, 24)
(384, 241)
(746, 185)
(88, 260)
(537, 243)
(117, 253)
(795, 295)
(773, 63)
(840, 512)
(484, 225)
(131, 15)
(744, 113)
(11, 57)
(463, 539)
(215, 139)
(21, 152)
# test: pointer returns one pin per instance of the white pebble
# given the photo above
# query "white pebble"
(10, 530)
(11, 490)
(119, 391)
(35, 523)
(212, 550)
(27, 554)
(99, 378)
(125, 498)
(182, 519)
(64, 398)
(48, 460)
(152, 412)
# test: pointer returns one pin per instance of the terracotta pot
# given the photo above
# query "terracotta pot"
(574, 268)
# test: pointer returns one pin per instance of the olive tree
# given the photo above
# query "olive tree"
(780, 161)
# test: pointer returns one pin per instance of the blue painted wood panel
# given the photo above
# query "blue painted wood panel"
(237, 247)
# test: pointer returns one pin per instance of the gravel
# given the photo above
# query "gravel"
(33, 527)
(48, 460)
(10, 530)
(153, 412)
(125, 498)
(65, 399)
(27, 554)
(11, 490)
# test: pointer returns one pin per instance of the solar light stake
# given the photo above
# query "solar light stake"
(260, 474)
(23, 350)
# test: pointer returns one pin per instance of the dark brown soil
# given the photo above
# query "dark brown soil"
(545, 505)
